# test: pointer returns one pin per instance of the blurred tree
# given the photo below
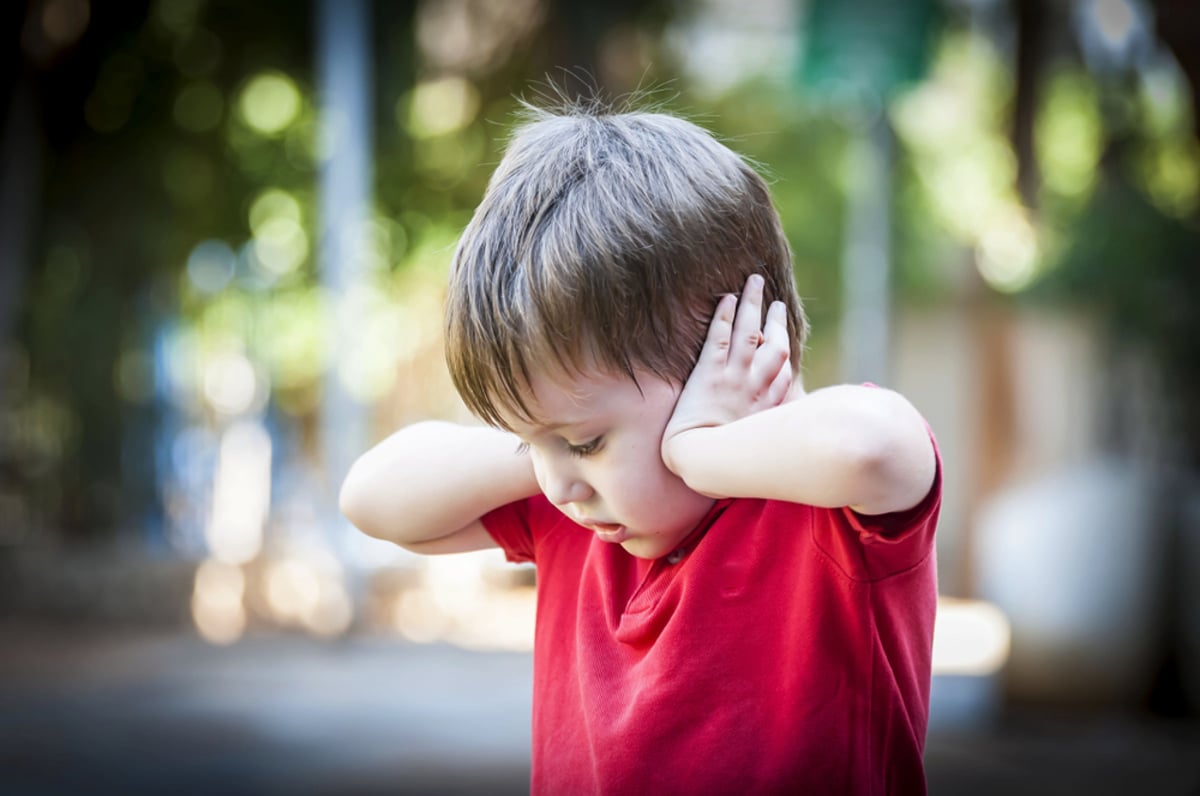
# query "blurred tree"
(1179, 327)
(1130, 256)
(134, 177)
(1032, 20)
(1179, 28)
(176, 195)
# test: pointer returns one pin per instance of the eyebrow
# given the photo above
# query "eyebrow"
(551, 428)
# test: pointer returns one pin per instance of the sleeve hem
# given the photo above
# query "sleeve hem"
(896, 526)
(509, 527)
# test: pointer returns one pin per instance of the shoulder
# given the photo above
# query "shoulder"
(872, 547)
(526, 529)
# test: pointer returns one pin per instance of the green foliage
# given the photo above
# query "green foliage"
(1134, 267)
(180, 204)
(148, 157)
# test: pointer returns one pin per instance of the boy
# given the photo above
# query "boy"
(736, 578)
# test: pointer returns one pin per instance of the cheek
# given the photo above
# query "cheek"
(539, 468)
(646, 479)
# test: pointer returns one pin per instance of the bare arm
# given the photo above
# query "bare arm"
(741, 430)
(426, 486)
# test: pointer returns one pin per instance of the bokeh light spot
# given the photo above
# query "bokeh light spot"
(1171, 172)
(199, 106)
(217, 596)
(271, 204)
(230, 383)
(295, 348)
(241, 493)
(281, 245)
(438, 107)
(269, 103)
(970, 637)
(1008, 252)
(292, 588)
(1115, 19)
(1068, 134)
(210, 266)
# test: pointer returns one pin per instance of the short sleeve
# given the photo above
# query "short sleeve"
(895, 526)
(510, 526)
(871, 547)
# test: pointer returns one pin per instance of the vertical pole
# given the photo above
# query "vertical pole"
(344, 94)
(866, 305)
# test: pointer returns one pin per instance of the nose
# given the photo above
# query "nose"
(561, 483)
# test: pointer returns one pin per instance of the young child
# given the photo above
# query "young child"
(736, 578)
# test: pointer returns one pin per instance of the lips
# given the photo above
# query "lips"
(611, 532)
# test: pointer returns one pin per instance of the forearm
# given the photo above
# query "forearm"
(842, 446)
(432, 479)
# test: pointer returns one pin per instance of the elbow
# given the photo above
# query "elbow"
(869, 467)
(894, 464)
(354, 499)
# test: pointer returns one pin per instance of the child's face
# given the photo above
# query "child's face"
(597, 457)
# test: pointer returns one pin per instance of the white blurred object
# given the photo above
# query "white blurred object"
(1075, 562)
(1114, 34)
(970, 637)
(970, 648)
(217, 596)
(241, 493)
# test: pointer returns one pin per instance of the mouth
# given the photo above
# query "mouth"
(611, 532)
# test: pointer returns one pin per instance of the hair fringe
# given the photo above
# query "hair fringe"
(609, 230)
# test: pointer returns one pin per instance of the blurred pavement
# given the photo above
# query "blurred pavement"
(107, 711)
(85, 712)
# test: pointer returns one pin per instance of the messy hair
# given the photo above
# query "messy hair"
(604, 242)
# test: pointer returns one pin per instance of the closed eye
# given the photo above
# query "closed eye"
(587, 448)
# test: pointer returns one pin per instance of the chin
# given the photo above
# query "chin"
(649, 548)
(640, 549)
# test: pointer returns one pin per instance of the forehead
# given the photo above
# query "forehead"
(559, 400)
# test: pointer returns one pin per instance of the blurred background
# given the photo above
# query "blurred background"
(224, 235)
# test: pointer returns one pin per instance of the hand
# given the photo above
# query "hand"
(743, 367)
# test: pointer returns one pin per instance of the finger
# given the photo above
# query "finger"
(776, 323)
(769, 360)
(747, 325)
(775, 327)
(780, 386)
(716, 344)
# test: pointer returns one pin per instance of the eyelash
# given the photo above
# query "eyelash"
(586, 449)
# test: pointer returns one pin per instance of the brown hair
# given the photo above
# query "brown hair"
(605, 240)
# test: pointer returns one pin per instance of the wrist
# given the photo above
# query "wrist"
(512, 473)
(689, 454)
(675, 447)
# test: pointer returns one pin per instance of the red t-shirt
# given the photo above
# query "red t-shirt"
(787, 650)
